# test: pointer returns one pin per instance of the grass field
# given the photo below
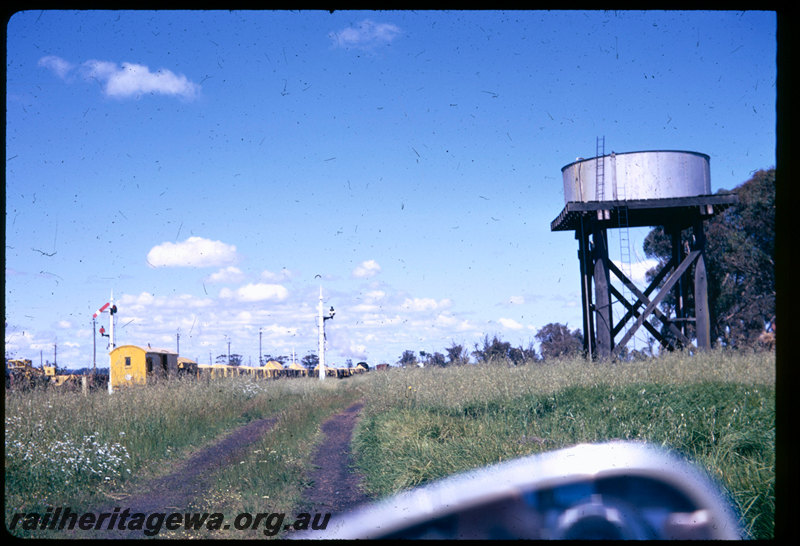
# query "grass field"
(717, 408)
(64, 448)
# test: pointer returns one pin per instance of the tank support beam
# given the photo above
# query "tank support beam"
(680, 294)
(701, 309)
(684, 271)
(586, 287)
(652, 306)
(602, 284)
(642, 299)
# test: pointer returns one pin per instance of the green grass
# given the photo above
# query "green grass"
(717, 408)
(64, 448)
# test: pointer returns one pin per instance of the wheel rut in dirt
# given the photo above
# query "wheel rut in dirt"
(175, 491)
(336, 487)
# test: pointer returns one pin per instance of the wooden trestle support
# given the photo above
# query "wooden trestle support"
(591, 221)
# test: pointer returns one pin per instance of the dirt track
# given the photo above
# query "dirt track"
(334, 487)
(175, 491)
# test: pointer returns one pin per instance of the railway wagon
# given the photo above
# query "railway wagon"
(271, 370)
(274, 369)
(134, 365)
(329, 371)
(340, 373)
(296, 370)
(215, 371)
(187, 367)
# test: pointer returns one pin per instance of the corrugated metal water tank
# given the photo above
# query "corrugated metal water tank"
(637, 175)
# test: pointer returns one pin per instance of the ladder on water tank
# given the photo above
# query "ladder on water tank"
(624, 241)
(600, 168)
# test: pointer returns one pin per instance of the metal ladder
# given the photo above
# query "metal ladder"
(624, 241)
(600, 168)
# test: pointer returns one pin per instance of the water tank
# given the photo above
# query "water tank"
(637, 175)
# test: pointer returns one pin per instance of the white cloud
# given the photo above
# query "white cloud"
(375, 295)
(379, 321)
(365, 308)
(227, 274)
(278, 331)
(284, 274)
(226, 293)
(367, 269)
(256, 292)
(449, 322)
(57, 65)
(132, 79)
(345, 347)
(516, 300)
(511, 324)
(244, 317)
(365, 35)
(144, 298)
(424, 304)
(193, 252)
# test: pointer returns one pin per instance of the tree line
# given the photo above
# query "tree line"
(555, 340)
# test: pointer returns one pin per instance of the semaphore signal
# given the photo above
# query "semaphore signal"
(322, 320)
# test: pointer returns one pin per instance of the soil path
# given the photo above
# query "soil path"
(336, 488)
(175, 491)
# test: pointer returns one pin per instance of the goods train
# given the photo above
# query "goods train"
(134, 365)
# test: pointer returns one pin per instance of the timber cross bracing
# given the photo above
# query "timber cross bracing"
(591, 222)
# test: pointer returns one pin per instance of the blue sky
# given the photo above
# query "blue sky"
(205, 167)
